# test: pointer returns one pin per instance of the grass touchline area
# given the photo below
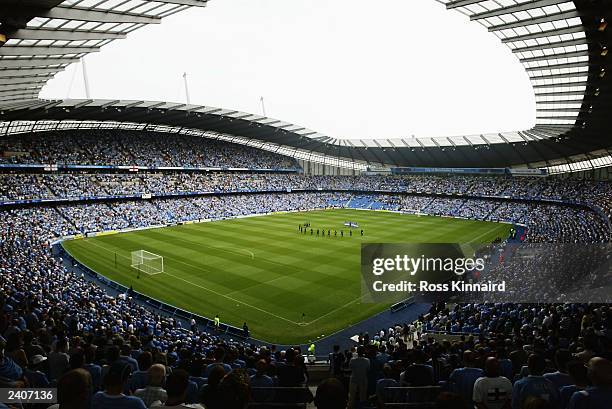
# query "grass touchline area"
(264, 271)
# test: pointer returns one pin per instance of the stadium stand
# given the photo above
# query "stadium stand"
(57, 323)
(103, 347)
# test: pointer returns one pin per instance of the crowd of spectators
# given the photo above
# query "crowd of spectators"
(102, 351)
(57, 328)
(544, 222)
(503, 355)
(61, 185)
(130, 148)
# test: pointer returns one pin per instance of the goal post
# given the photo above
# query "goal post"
(147, 262)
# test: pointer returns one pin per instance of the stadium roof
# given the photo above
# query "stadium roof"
(43, 37)
(563, 46)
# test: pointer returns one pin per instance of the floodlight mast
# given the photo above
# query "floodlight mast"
(85, 78)
(263, 107)
(186, 88)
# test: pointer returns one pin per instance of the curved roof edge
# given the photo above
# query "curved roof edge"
(538, 146)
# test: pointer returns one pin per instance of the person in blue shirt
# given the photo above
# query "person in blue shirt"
(219, 355)
(580, 381)
(598, 396)
(8, 368)
(94, 369)
(535, 385)
(462, 380)
(126, 358)
(384, 395)
(115, 381)
(262, 380)
(560, 378)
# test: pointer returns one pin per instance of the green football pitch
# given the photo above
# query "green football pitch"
(289, 287)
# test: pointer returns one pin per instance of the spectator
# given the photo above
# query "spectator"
(235, 390)
(261, 380)
(74, 390)
(8, 368)
(115, 382)
(492, 391)
(154, 390)
(330, 394)
(58, 360)
(417, 373)
(139, 378)
(598, 396)
(176, 388)
(210, 394)
(358, 384)
(560, 378)
(580, 381)
(534, 385)
(384, 395)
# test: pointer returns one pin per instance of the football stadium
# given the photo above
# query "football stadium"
(169, 254)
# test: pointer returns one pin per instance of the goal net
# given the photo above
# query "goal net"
(147, 262)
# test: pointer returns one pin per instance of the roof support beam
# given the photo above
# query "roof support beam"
(62, 34)
(97, 15)
(547, 33)
(41, 50)
(28, 72)
(17, 99)
(567, 75)
(560, 94)
(193, 3)
(556, 66)
(556, 44)
(567, 101)
(582, 53)
(24, 81)
(35, 62)
(563, 84)
(461, 3)
(564, 118)
(516, 8)
(17, 95)
(21, 87)
(579, 109)
(537, 20)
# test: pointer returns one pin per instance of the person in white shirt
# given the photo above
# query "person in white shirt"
(492, 391)
(176, 388)
(154, 391)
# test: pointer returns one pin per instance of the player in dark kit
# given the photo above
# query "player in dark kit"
(362, 232)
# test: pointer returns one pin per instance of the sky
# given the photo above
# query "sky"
(346, 68)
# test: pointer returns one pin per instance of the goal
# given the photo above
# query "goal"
(147, 262)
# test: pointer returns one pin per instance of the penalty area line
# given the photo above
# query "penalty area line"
(206, 288)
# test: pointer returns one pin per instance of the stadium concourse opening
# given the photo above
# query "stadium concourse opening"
(157, 254)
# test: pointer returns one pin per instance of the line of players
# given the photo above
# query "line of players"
(321, 232)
